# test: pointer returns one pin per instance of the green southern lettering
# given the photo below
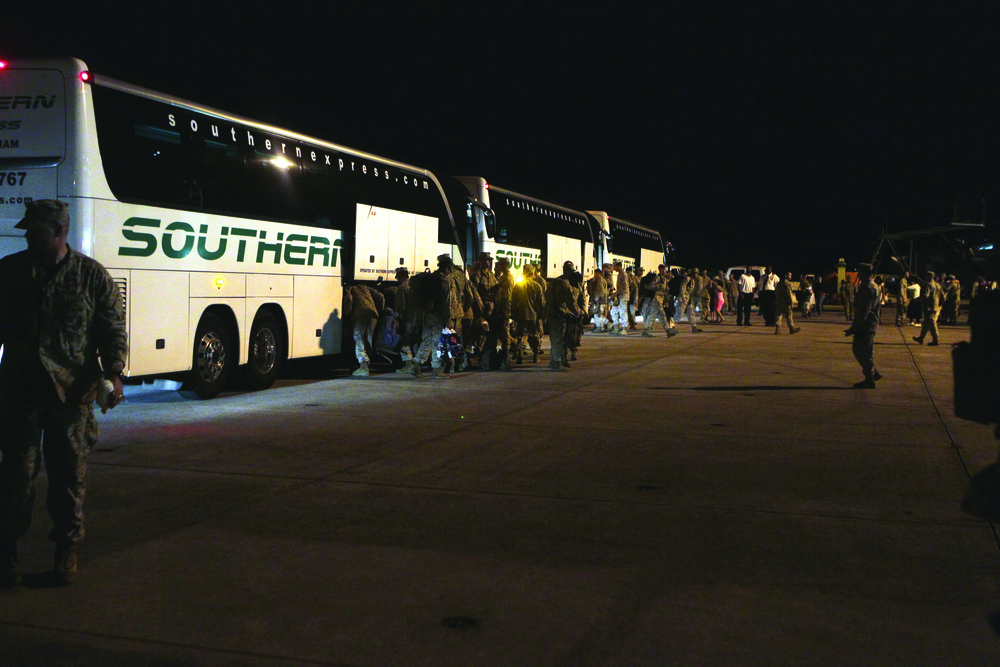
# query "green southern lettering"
(178, 239)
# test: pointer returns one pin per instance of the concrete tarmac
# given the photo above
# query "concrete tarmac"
(721, 498)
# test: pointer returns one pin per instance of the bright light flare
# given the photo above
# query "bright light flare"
(282, 163)
(220, 282)
(3, 65)
(86, 77)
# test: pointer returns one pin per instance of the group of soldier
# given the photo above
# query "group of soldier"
(925, 302)
(485, 318)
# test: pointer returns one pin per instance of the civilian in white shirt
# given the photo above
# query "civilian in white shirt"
(768, 283)
(747, 287)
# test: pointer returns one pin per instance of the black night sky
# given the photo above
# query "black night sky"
(779, 133)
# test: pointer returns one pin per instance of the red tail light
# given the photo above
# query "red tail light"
(86, 77)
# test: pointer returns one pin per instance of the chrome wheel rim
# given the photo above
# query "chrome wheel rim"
(265, 351)
(211, 357)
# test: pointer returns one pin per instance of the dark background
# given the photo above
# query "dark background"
(784, 133)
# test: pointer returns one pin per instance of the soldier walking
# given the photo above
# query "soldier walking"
(62, 326)
(652, 312)
(783, 305)
(619, 309)
(931, 297)
(866, 316)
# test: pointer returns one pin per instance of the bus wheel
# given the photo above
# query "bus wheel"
(266, 348)
(212, 363)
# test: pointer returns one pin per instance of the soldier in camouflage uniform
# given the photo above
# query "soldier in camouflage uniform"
(952, 301)
(363, 307)
(783, 305)
(903, 299)
(931, 297)
(429, 296)
(706, 295)
(482, 278)
(866, 317)
(597, 289)
(499, 318)
(633, 295)
(847, 294)
(695, 288)
(652, 310)
(465, 302)
(62, 326)
(527, 304)
(619, 308)
(561, 306)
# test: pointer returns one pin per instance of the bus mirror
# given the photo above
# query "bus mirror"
(609, 243)
(490, 220)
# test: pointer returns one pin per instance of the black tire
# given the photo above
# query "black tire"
(267, 347)
(213, 359)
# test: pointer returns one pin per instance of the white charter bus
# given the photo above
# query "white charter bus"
(634, 245)
(527, 230)
(229, 239)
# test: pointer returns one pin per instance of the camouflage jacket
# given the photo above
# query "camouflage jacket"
(483, 280)
(363, 303)
(465, 301)
(502, 293)
(528, 301)
(560, 301)
(69, 325)
(866, 308)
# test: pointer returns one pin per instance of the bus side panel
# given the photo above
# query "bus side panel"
(317, 320)
(560, 250)
(650, 259)
(167, 322)
(589, 263)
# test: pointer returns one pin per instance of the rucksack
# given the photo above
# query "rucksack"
(389, 336)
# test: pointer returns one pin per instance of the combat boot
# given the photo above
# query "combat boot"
(10, 573)
(416, 371)
(795, 330)
(363, 371)
(777, 330)
(646, 334)
(439, 374)
(64, 568)
(407, 367)
(534, 357)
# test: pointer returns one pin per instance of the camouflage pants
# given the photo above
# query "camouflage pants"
(70, 433)
(362, 333)
(929, 323)
(432, 326)
(863, 348)
(619, 316)
(529, 330)
(783, 312)
(499, 333)
(557, 342)
(652, 312)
